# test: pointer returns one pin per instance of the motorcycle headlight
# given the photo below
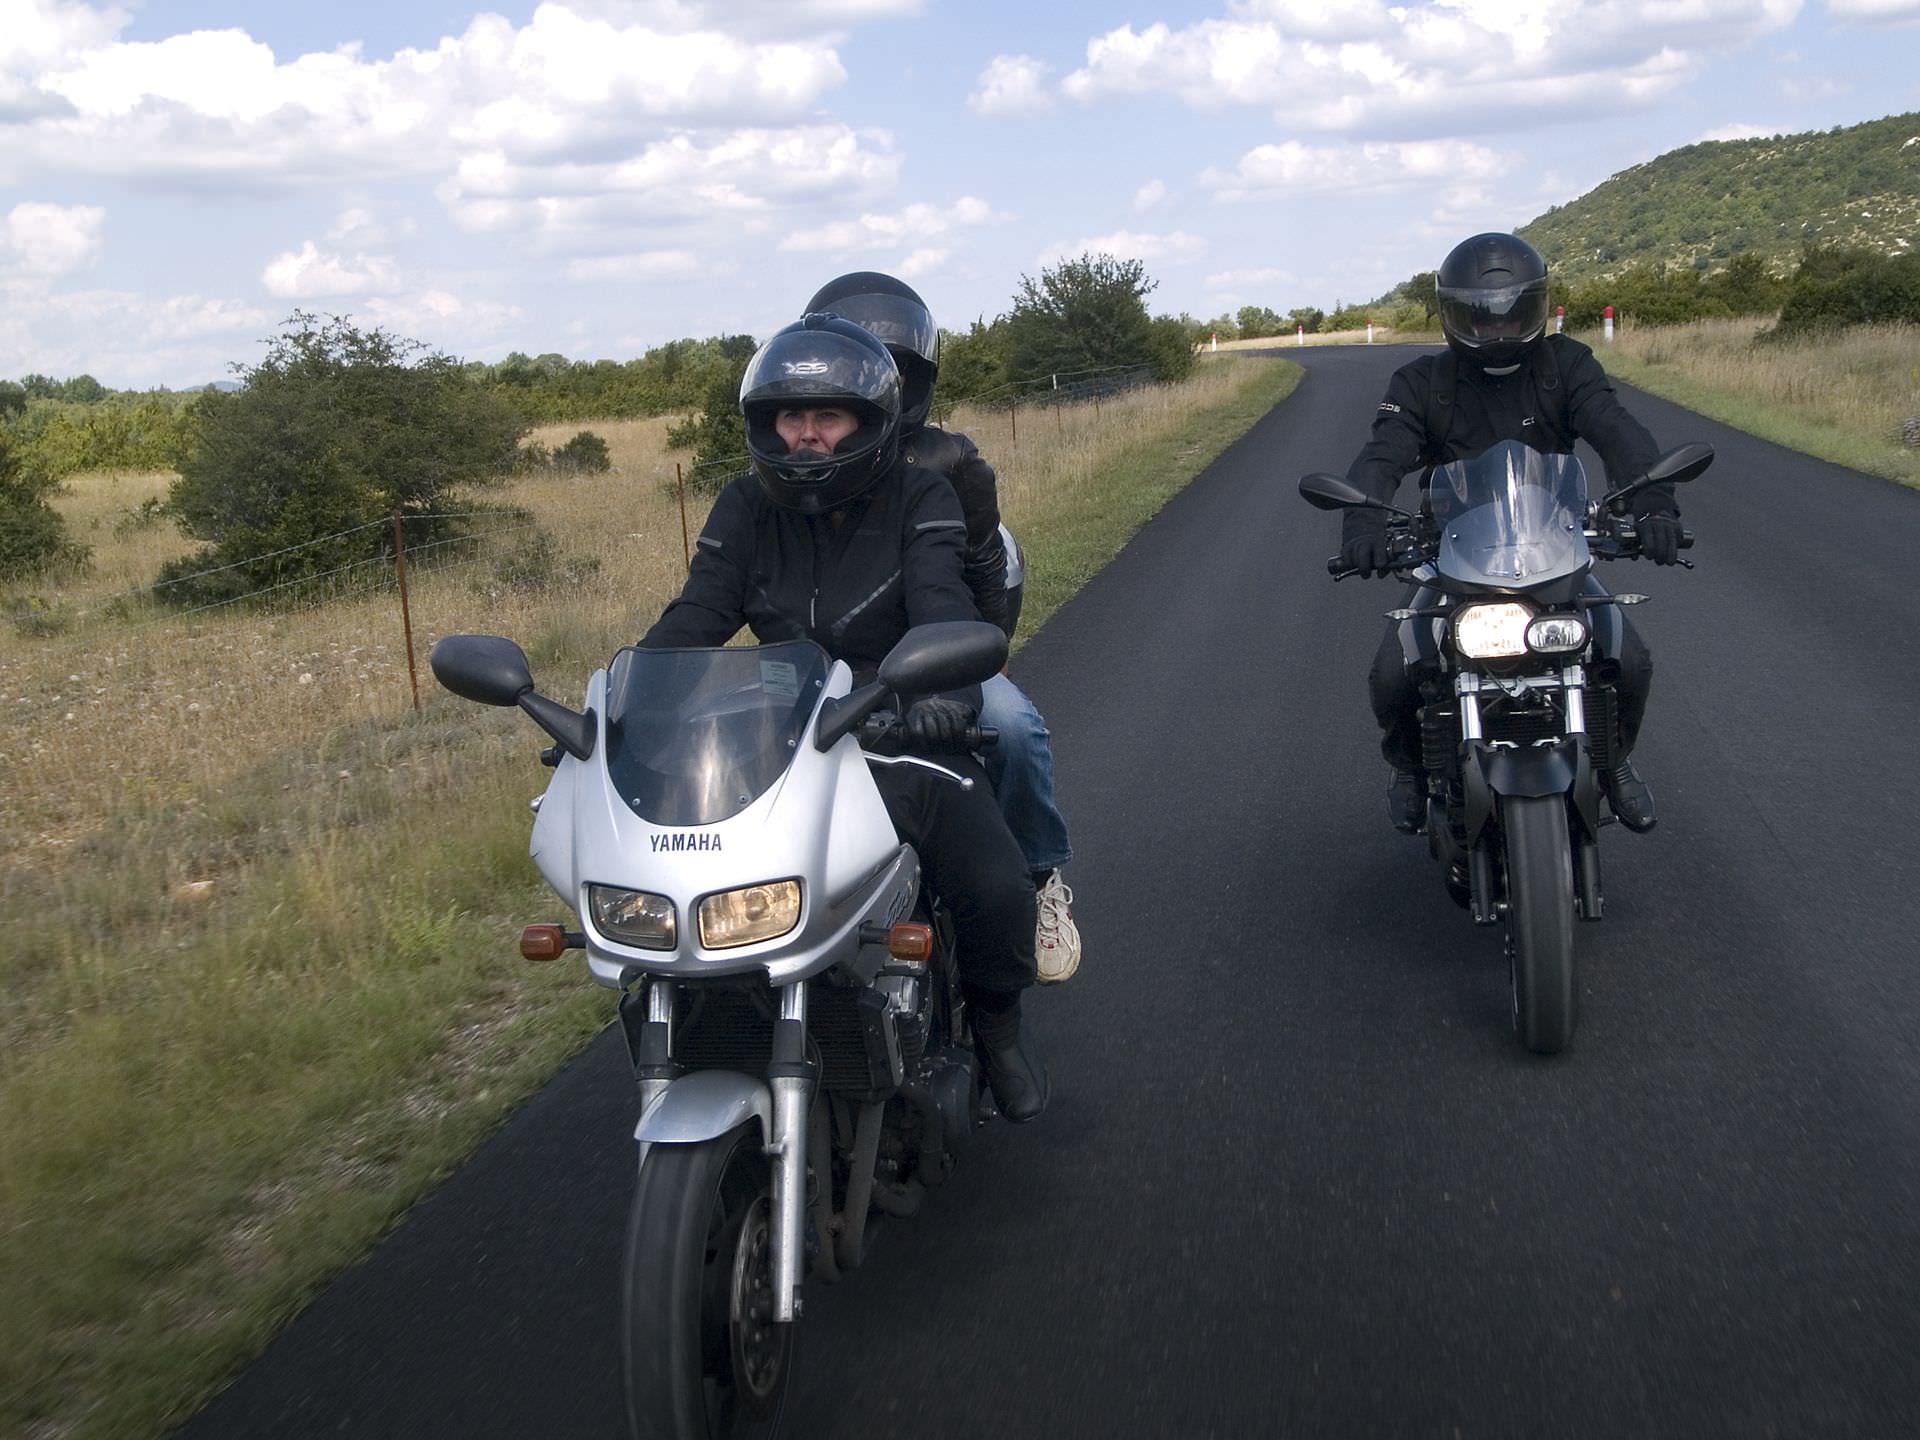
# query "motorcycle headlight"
(1556, 634)
(634, 917)
(1492, 632)
(741, 917)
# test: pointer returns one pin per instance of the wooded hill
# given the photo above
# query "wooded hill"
(1703, 204)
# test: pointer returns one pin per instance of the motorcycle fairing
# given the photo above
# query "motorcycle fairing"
(705, 1105)
(1555, 767)
(844, 849)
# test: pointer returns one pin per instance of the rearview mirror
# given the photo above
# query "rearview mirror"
(1685, 463)
(944, 656)
(489, 669)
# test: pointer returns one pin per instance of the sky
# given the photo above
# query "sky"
(595, 177)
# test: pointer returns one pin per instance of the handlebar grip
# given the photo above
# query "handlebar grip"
(1338, 568)
(981, 737)
(1686, 539)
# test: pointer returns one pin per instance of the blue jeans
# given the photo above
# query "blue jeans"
(1021, 769)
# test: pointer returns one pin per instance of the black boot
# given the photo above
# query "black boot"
(1015, 1072)
(1631, 798)
(1407, 801)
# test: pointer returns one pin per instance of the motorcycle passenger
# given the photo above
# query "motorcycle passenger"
(1021, 764)
(1501, 377)
(832, 537)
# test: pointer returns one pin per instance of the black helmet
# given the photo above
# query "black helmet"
(1493, 299)
(817, 361)
(889, 310)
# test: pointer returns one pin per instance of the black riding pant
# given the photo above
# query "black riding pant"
(1394, 685)
(971, 861)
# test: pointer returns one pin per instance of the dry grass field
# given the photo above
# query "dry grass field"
(258, 991)
(1842, 397)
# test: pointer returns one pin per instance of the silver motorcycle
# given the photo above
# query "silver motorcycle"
(787, 990)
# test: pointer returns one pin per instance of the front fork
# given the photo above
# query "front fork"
(1571, 681)
(791, 1078)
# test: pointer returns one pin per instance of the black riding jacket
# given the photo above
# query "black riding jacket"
(1438, 410)
(893, 562)
(956, 459)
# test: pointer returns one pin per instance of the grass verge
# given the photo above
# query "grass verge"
(269, 1001)
(1841, 397)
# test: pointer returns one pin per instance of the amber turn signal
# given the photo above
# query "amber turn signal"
(910, 942)
(543, 942)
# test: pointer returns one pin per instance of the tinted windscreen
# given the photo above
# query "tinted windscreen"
(694, 736)
(1510, 517)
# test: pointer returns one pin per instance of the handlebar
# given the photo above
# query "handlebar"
(883, 732)
(1408, 554)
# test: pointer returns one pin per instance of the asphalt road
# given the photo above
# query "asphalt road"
(1298, 1178)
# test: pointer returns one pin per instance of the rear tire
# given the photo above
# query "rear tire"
(1539, 859)
(702, 1355)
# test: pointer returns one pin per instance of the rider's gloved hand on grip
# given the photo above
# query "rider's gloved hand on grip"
(938, 723)
(1363, 543)
(1659, 538)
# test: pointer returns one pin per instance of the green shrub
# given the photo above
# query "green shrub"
(291, 477)
(33, 537)
(585, 453)
(1836, 287)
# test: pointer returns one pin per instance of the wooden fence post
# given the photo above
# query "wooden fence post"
(406, 613)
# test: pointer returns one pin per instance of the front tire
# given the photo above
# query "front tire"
(702, 1354)
(1539, 863)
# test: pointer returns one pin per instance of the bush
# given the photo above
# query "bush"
(291, 477)
(585, 453)
(1835, 287)
(1080, 316)
(532, 565)
(33, 537)
(717, 435)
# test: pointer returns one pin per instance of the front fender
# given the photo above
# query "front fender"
(704, 1106)
(1495, 770)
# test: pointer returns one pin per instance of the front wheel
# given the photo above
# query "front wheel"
(703, 1356)
(1540, 919)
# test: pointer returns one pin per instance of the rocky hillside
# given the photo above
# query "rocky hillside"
(1703, 204)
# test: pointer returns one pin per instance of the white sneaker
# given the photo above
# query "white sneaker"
(1056, 941)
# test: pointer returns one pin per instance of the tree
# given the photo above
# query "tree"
(971, 365)
(336, 429)
(1257, 321)
(716, 435)
(1079, 316)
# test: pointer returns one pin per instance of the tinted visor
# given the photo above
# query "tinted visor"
(1479, 315)
(893, 320)
(803, 368)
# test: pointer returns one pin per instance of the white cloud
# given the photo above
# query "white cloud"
(46, 240)
(640, 265)
(875, 231)
(1149, 196)
(125, 338)
(1292, 169)
(922, 262)
(216, 106)
(1012, 85)
(677, 181)
(748, 17)
(1361, 67)
(1738, 131)
(440, 318)
(1130, 245)
(310, 273)
(1875, 12)
(1245, 279)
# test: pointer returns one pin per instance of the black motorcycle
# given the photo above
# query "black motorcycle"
(1508, 632)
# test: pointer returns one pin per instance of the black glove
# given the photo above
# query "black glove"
(939, 724)
(1364, 547)
(1659, 537)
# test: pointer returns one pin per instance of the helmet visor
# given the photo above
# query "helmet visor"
(1477, 315)
(894, 320)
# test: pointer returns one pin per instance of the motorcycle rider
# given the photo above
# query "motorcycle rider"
(1021, 764)
(833, 537)
(1501, 377)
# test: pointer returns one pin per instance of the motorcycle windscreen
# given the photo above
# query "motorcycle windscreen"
(1510, 516)
(696, 736)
